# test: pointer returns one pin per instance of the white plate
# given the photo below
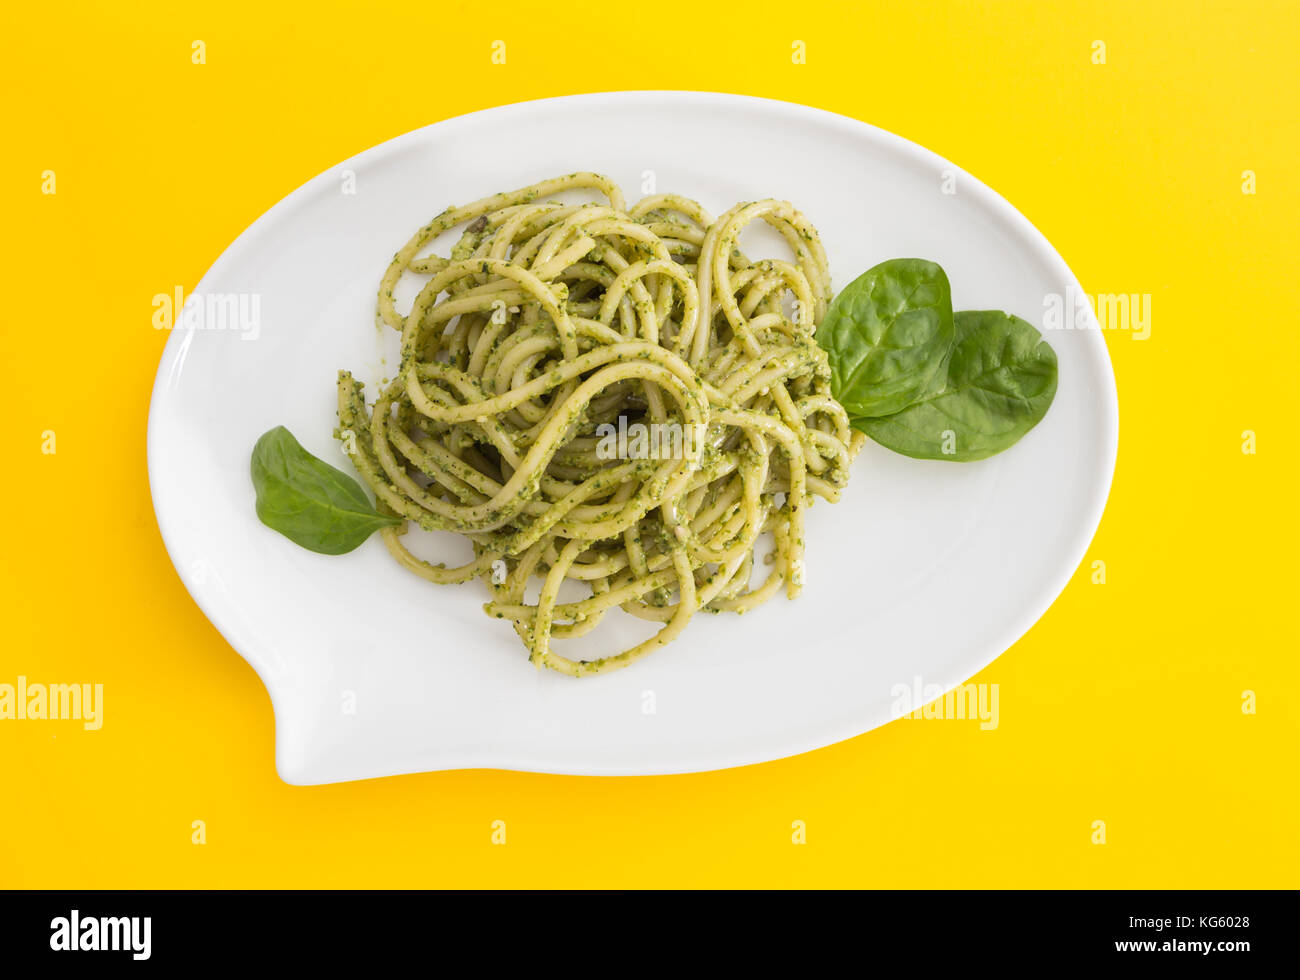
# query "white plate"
(926, 569)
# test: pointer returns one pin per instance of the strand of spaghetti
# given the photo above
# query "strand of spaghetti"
(451, 217)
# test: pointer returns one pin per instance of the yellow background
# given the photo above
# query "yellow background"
(1123, 704)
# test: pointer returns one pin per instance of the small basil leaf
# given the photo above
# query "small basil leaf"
(999, 383)
(886, 336)
(308, 501)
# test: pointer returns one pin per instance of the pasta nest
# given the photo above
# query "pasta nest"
(609, 396)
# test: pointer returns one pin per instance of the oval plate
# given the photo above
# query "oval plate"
(925, 570)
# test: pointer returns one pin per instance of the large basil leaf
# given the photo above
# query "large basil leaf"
(1000, 380)
(308, 501)
(886, 335)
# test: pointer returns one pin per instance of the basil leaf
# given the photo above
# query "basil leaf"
(1000, 381)
(308, 501)
(886, 336)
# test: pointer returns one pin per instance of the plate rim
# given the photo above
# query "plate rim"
(1107, 405)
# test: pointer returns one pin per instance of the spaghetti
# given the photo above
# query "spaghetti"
(548, 327)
